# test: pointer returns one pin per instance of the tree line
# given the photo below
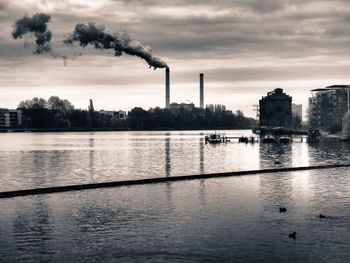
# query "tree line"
(182, 118)
(56, 113)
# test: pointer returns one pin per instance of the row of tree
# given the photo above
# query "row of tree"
(56, 113)
(182, 118)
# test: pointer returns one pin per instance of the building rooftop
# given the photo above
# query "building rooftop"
(275, 93)
(333, 87)
(322, 89)
(338, 87)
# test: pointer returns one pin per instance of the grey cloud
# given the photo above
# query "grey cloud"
(218, 75)
(265, 32)
(298, 72)
(258, 6)
(281, 34)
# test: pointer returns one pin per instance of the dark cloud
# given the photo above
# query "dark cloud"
(119, 42)
(37, 25)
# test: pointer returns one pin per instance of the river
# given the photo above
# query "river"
(233, 219)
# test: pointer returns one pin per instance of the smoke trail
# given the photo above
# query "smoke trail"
(119, 42)
(37, 25)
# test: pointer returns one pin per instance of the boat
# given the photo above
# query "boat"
(314, 135)
(214, 138)
(243, 139)
(284, 139)
(268, 138)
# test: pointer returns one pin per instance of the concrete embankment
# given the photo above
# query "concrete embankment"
(60, 189)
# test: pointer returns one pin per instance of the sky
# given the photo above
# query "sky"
(245, 48)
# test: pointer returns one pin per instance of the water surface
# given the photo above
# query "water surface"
(30, 160)
(233, 219)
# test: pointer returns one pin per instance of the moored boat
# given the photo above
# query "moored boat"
(243, 139)
(284, 139)
(314, 135)
(214, 138)
(268, 138)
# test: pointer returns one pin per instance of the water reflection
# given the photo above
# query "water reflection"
(64, 159)
(91, 155)
(167, 157)
(329, 151)
(275, 189)
(203, 195)
(275, 155)
(32, 231)
(201, 155)
(300, 155)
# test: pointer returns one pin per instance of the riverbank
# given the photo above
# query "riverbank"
(102, 129)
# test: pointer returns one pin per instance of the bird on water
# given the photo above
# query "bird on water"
(322, 216)
(292, 235)
(283, 209)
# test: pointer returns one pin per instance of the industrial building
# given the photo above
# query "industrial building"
(114, 115)
(10, 118)
(275, 110)
(175, 106)
(185, 105)
(327, 107)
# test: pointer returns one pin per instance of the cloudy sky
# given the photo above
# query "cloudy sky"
(245, 48)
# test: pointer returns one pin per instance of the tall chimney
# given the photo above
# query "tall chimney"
(201, 91)
(167, 88)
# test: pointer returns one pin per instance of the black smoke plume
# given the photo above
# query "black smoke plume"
(37, 25)
(118, 42)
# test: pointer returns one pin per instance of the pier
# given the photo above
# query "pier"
(69, 188)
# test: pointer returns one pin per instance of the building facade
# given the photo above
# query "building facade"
(297, 110)
(275, 110)
(10, 118)
(114, 115)
(185, 105)
(327, 107)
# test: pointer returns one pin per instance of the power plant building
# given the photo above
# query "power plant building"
(182, 105)
(275, 110)
(327, 107)
(114, 115)
(179, 106)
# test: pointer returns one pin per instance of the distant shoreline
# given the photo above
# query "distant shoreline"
(104, 129)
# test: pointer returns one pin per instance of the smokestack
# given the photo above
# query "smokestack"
(167, 88)
(201, 91)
